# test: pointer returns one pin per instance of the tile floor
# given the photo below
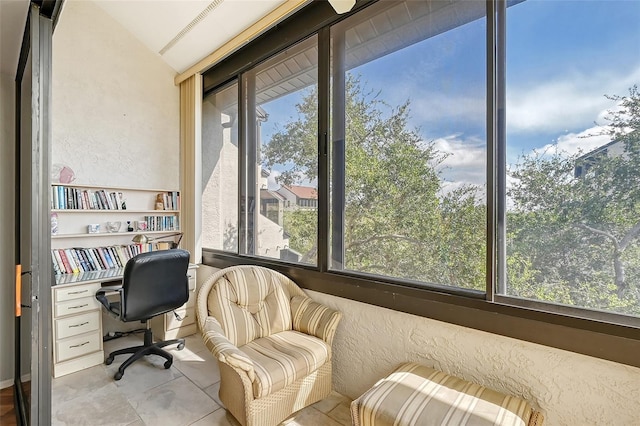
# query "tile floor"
(147, 394)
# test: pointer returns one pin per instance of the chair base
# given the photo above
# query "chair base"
(148, 348)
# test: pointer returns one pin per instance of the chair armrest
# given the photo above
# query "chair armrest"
(102, 298)
(314, 318)
(225, 351)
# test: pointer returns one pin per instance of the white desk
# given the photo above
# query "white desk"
(77, 318)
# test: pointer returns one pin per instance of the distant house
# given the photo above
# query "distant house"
(305, 197)
(586, 161)
(272, 205)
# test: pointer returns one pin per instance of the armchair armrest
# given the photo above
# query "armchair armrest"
(225, 351)
(314, 318)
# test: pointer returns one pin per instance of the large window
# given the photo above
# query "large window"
(409, 138)
(482, 155)
(573, 154)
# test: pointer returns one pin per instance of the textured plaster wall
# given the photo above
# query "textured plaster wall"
(571, 389)
(7, 181)
(116, 111)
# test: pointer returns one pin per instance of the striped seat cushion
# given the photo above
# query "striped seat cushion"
(417, 395)
(282, 358)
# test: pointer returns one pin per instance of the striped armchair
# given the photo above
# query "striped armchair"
(272, 343)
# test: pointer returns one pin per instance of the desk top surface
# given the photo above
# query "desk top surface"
(112, 274)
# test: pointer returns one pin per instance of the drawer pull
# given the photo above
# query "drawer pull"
(79, 325)
(78, 292)
(78, 306)
(79, 344)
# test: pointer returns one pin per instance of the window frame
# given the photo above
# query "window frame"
(604, 335)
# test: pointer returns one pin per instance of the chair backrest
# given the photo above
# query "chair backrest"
(154, 283)
(252, 302)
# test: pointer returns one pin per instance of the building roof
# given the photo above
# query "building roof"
(302, 191)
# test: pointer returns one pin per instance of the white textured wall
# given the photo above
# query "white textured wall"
(570, 389)
(7, 191)
(116, 111)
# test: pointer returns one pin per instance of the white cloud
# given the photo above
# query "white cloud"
(573, 143)
(465, 162)
(569, 101)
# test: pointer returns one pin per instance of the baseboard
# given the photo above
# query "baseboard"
(9, 382)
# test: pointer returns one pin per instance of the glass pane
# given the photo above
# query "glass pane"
(409, 142)
(282, 137)
(573, 154)
(220, 169)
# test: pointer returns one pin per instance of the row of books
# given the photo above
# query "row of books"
(77, 260)
(162, 223)
(170, 200)
(68, 198)
(89, 275)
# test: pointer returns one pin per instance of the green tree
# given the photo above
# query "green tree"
(576, 219)
(398, 220)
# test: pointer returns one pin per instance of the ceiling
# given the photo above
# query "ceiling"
(181, 32)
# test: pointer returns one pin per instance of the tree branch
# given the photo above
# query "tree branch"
(609, 235)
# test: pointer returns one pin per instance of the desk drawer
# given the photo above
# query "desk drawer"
(77, 324)
(76, 292)
(75, 306)
(78, 345)
(188, 317)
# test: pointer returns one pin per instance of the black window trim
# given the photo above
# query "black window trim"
(603, 335)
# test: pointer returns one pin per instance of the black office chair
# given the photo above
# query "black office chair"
(153, 284)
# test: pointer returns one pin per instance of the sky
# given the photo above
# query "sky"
(562, 58)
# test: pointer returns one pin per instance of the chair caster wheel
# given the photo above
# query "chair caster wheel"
(180, 346)
(168, 364)
(108, 361)
(117, 376)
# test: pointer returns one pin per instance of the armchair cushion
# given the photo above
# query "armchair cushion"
(259, 305)
(313, 318)
(283, 358)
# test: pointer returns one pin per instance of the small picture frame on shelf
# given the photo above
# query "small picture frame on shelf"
(93, 228)
(141, 225)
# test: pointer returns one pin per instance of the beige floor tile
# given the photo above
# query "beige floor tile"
(175, 403)
(200, 368)
(103, 406)
(219, 417)
(331, 402)
(213, 391)
(71, 386)
(310, 417)
(341, 414)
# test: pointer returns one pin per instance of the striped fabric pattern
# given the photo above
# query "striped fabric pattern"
(313, 318)
(224, 350)
(250, 304)
(283, 358)
(418, 395)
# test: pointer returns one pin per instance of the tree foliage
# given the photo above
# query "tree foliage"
(576, 220)
(573, 222)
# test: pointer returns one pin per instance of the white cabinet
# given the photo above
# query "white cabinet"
(77, 328)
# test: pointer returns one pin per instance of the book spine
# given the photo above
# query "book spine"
(114, 257)
(67, 265)
(88, 259)
(59, 261)
(108, 257)
(75, 268)
(96, 257)
(103, 257)
(78, 260)
(56, 266)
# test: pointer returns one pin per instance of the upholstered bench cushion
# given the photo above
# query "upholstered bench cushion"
(417, 395)
(283, 358)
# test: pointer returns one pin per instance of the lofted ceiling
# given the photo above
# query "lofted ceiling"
(181, 32)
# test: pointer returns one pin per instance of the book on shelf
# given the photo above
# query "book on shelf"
(80, 260)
